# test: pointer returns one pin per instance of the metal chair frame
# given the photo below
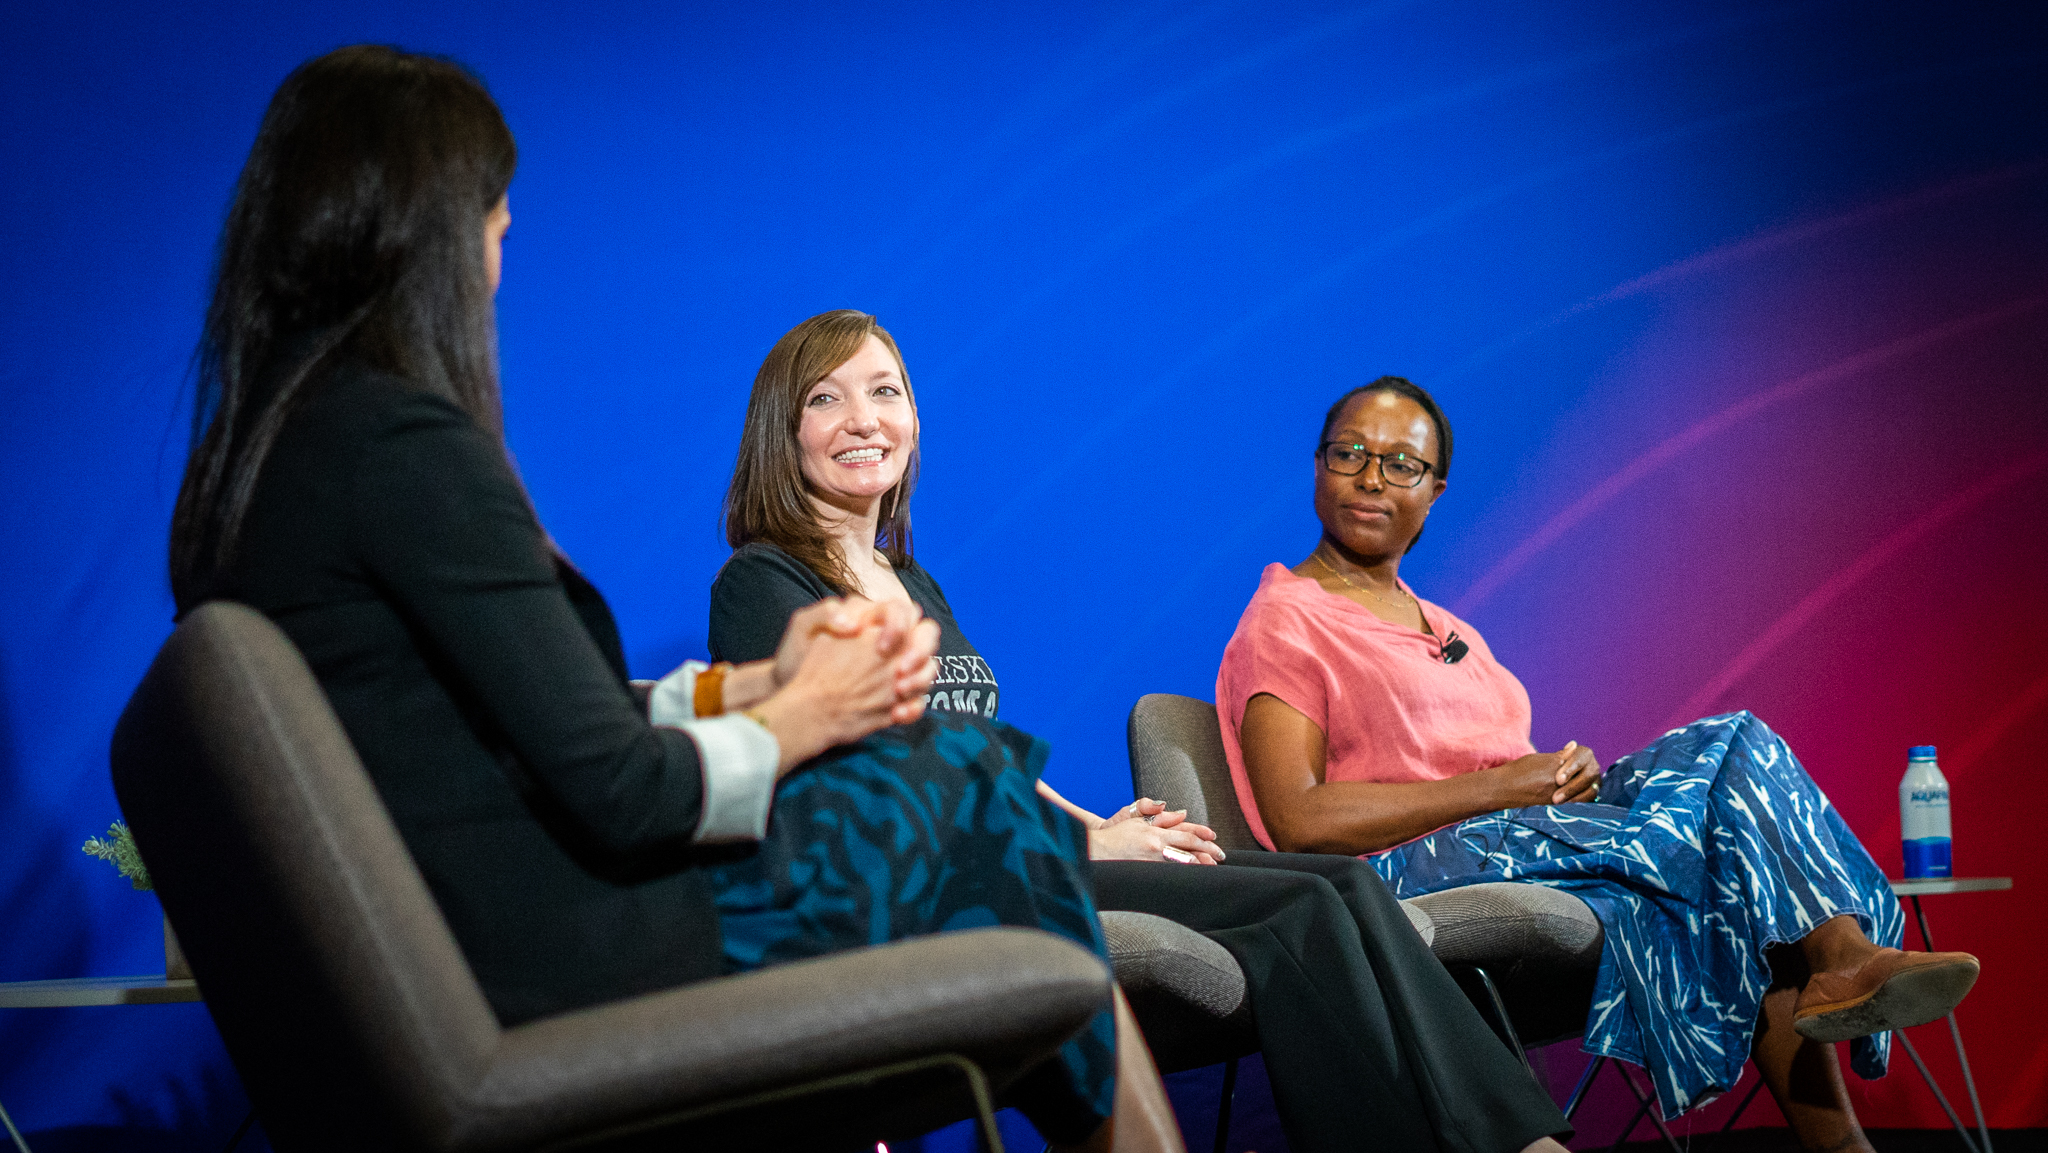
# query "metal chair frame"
(1483, 991)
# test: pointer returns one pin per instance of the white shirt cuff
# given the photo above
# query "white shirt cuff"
(674, 699)
(739, 759)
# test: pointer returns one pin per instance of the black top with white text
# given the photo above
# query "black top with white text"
(761, 586)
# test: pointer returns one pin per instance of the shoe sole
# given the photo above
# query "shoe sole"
(1913, 997)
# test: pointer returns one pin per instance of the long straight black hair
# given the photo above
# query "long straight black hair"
(356, 233)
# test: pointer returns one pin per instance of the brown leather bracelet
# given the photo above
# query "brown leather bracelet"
(709, 699)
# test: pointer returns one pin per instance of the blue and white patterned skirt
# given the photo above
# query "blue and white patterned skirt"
(1710, 846)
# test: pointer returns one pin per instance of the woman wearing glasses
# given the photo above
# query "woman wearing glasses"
(1743, 918)
(1367, 1040)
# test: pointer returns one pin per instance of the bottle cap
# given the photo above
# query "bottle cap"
(1920, 753)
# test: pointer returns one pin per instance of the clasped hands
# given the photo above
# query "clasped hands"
(1570, 774)
(845, 668)
(1144, 830)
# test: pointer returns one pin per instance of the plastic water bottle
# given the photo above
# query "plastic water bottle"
(1923, 815)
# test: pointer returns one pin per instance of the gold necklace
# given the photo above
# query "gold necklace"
(1318, 554)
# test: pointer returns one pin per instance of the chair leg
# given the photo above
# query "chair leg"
(239, 1132)
(1644, 1103)
(19, 1142)
(1742, 1108)
(984, 1107)
(1962, 1058)
(1939, 1096)
(1224, 1102)
(1649, 1102)
(1629, 1129)
(1579, 1090)
(1478, 987)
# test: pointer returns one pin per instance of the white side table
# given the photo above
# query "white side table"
(156, 990)
(1913, 890)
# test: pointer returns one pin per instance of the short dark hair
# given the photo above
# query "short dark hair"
(1400, 386)
(356, 233)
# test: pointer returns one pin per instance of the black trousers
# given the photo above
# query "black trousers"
(1367, 1039)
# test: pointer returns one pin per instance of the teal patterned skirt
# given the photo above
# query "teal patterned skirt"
(1708, 847)
(922, 828)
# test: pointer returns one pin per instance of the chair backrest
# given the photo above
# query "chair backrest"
(343, 998)
(1177, 757)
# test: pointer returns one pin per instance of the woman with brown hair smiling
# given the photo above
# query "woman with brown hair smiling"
(350, 480)
(1743, 918)
(1367, 1040)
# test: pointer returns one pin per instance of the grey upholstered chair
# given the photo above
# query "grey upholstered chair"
(1186, 990)
(1177, 757)
(1189, 996)
(1526, 955)
(356, 1024)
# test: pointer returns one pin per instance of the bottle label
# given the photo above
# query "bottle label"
(1923, 814)
(1928, 858)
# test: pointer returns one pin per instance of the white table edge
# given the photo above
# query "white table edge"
(1929, 886)
(148, 989)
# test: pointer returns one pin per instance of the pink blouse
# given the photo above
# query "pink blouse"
(1389, 708)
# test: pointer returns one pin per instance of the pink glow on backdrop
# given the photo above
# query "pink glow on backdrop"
(1818, 601)
(1814, 487)
(1675, 447)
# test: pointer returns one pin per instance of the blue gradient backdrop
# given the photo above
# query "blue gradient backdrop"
(1739, 311)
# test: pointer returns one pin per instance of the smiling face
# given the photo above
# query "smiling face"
(1369, 518)
(857, 430)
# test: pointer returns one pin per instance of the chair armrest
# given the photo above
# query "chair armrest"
(1502, 921)
(1152, 956)
(1004, 998)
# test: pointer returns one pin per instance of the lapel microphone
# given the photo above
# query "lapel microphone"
(1454, 650)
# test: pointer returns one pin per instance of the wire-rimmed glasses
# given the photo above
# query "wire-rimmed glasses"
(1399, 469)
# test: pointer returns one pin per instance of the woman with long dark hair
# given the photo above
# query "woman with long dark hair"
(349, 479)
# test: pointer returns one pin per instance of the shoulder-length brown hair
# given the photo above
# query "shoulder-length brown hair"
(769, 500)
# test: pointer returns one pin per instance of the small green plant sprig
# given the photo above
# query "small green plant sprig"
(118, 848)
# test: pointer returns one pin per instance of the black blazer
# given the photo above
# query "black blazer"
(482, 682)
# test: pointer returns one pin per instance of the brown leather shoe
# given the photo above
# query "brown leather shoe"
(1893, 990)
